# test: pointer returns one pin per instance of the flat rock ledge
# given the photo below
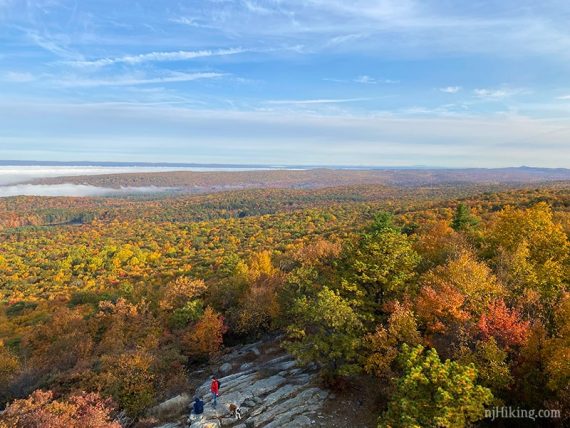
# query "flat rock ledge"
(272, 391)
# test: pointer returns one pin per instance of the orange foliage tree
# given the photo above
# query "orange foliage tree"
(206, 338)
(440, 307)
(41, 410)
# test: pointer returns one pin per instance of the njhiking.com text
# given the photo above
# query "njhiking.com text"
(508, 412)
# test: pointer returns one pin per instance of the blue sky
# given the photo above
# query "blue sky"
(361, 82)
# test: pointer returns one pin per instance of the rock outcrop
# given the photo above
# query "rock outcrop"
(270, 389)
(172, 408)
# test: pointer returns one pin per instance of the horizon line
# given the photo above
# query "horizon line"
(30, 162)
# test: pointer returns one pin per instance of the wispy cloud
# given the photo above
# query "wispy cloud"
(495, 94)
(18, 77)
(363, 79)
(255, 7)
(317, 101)
(158, 57)
(183, 134)
(445, 110)
(135, 80)
(367, 80)
(185, 21)
(450, 89)
(344, 39)
(52, 44)
(193, 22)
(73, 51)
(399, 26)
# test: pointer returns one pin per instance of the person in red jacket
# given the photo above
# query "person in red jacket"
(215, 390)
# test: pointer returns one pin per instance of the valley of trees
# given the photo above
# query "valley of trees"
(449, 299)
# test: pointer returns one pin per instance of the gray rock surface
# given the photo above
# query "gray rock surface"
(172, 408)
(171, 425)
(272, 392)
(246, 366)
(226, 368)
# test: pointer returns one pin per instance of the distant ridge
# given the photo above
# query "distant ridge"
(306, 178)
(529, 169)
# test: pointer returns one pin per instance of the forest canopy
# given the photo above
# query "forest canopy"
(106, 304)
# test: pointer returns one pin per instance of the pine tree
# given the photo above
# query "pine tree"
(463, 219)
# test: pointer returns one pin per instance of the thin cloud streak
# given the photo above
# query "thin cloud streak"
(450, 89)
(133, 81)
(316, 101)
(495, 93)
(158, 57)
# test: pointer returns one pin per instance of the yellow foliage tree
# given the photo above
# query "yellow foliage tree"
(205, 339)
(383, 346)
(533, 251)
(180, 291)
(128, 378)
(474, 280)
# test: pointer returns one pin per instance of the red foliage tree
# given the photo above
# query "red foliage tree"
(504, 324)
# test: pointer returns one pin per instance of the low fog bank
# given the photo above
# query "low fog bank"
(75, 190)
(20, 174)
(12, 174)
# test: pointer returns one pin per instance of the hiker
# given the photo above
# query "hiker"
(215, 389)
(198, 406)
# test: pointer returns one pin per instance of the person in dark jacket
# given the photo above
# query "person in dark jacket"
(198, 406)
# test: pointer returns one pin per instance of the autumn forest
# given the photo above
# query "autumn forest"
(448, 299)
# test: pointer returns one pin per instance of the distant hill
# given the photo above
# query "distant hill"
(316, 178)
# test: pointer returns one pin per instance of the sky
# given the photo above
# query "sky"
(300, 82)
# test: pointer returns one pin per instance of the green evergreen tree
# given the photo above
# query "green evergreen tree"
(463, 219)
(383, 221)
